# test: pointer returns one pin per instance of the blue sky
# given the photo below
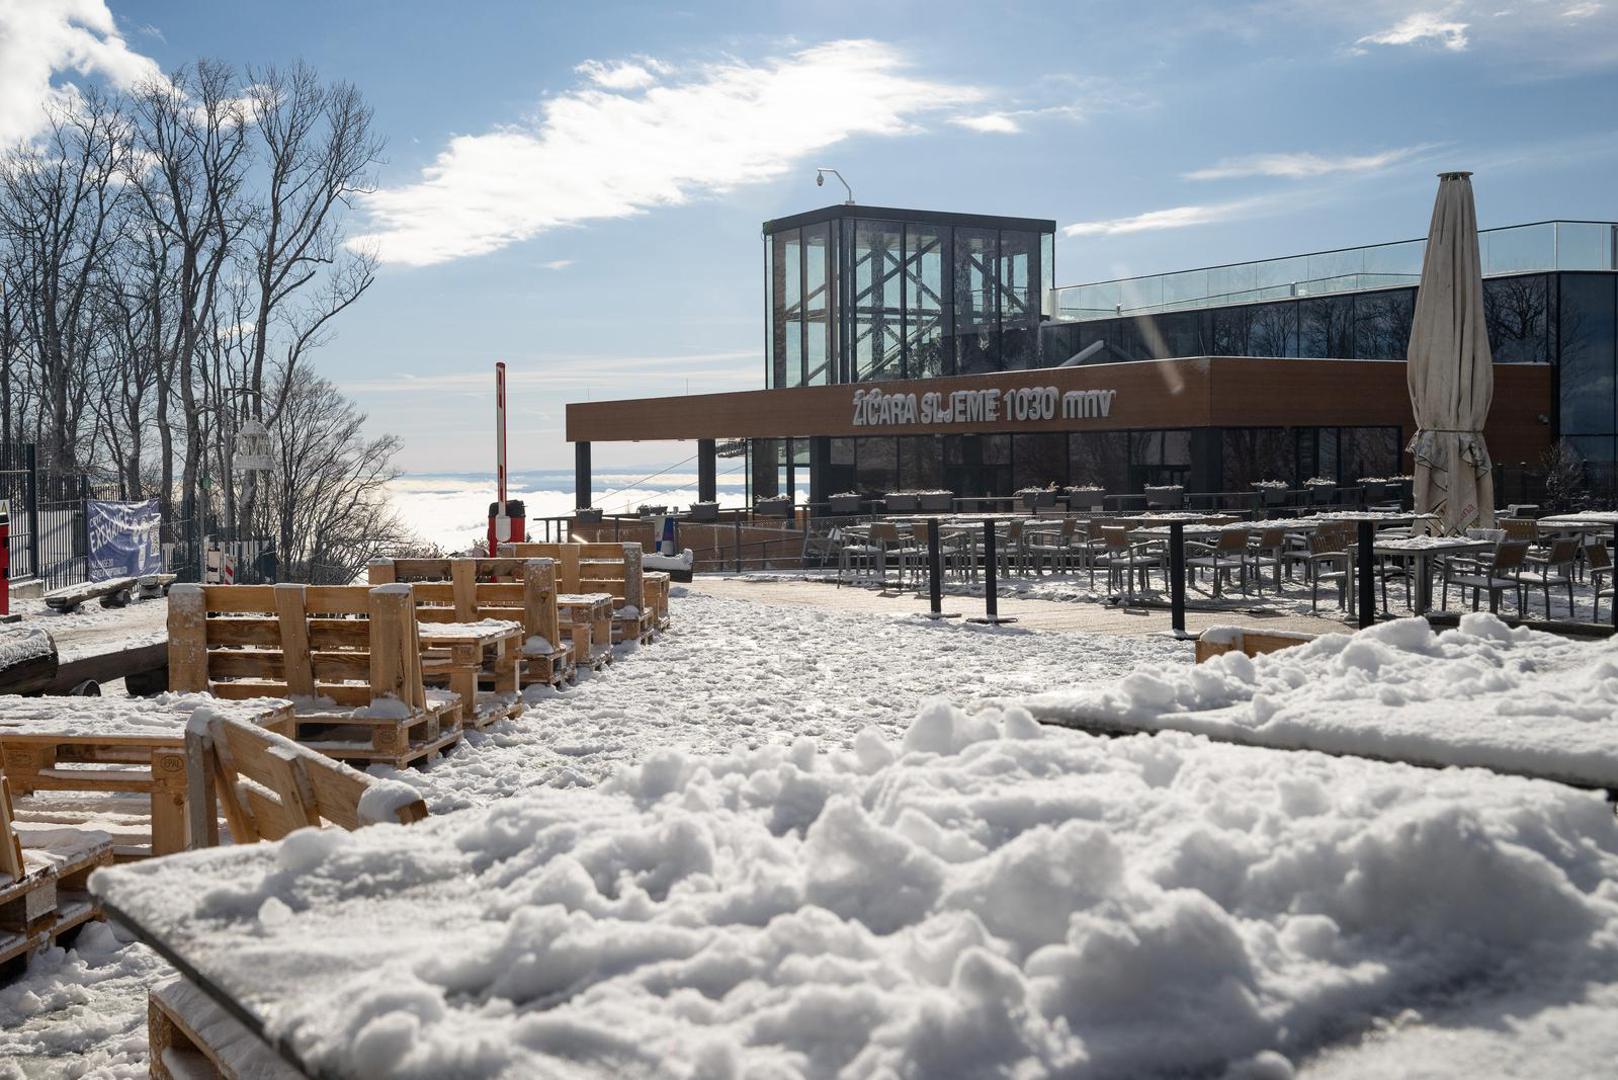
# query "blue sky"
(577, 189)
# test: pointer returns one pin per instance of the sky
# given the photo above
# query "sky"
(577, 189)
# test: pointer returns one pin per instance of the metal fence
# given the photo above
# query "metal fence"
(49, 531)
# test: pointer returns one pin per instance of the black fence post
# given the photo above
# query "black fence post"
(33, 513)
(1177, 576)
(738, 543)
(991, 581)
(1367, 572)
(935, 570)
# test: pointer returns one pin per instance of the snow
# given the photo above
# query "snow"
(980, 896)
(21, 644)
(381, 802)
(537, 645)
(1482, 694)
(165, 714)
(738, 672)
(685, 560)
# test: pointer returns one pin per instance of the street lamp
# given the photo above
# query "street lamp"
(820, 181)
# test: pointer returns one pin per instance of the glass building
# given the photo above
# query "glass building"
(860, 293)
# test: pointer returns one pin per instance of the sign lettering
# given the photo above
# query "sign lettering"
(878, 408)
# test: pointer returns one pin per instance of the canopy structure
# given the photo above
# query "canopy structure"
(1451, 372)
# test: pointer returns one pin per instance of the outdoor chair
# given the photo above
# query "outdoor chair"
(1011, 554)
(1267, 549)
(1058, 546)
(1495, 574)
(1597, 562)
(882, 541)
(1556, 569)
(1328, 560)
(1124, 559)
(1520, 529)
(1227, 553)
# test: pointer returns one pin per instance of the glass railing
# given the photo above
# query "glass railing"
(1517, 249)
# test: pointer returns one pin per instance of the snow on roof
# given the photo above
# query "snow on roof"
(983, 897)
(1482, 694)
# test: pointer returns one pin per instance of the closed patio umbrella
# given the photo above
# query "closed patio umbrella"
(1451, 372)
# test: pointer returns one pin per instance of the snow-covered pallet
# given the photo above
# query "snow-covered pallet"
(1218, 640)
(590, 613)
(469, 590)
(349, 656)
(266, 785)
(113, 593)
(191, 1038)
(612, 568)
(656, 585)
(43, 874)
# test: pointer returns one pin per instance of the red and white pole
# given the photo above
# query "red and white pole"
(505, 515)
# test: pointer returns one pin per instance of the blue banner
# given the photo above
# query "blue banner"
(124, 539)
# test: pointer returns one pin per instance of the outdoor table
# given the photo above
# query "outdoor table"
(1587, 522)
(1420, 550)
(141, 739)
(463, 646)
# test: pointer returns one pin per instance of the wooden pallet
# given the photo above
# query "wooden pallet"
(1219, 640)
(521, 590)
(191, 1037)
(43, 875)
(655, 584)
(592, 611)
(371, 741)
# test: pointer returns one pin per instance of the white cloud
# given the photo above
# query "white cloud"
(1298, 166)
(989, 123)
(597, 153)
(1175, 217)
(1581, 11)
(556, 264)
(1419, 27)
(43, 39)
(634, 74)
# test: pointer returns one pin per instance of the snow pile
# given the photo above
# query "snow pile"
(22, 644)
(984, 897)
(1482, 694)
(685, 560)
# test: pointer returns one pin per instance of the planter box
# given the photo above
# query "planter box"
(846, 504)
(1165, 498)
(936, 502)
(1037, 500)
(773, 509)
(1086, 500)
(704, 512)
(587, 516)
(1322, 496)
(1273, 496)
(897, 503)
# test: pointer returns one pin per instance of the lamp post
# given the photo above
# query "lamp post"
(820, 181)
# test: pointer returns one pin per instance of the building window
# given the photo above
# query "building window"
(1517, 311)
(1326, 327)
(877, 313)
(1589, 334)
(817, 278)
(1273, 330)
(1039, 460)
(926, 309)
(976, 318)
(1382, 324)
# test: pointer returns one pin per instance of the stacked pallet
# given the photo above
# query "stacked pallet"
(348, 656)
(43, 874)
(610, 568)
(469, 590)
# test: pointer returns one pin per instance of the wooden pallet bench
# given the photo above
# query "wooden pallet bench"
(113, 593)
(612, 568)
(115, 765)
(266, 786)
(43, 876)
(349, 657)
(470, 590)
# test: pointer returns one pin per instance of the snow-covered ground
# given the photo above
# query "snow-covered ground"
(736, 672)
(1482, 694)
(92, 627)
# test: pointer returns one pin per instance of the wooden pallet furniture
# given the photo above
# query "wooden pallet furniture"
(470, 590)
(656, 584)
(589, 615)
(43, 876)
(462, 652)
(113, 765)
(348, 656)
(612, 568)
(266, 785)
(1218, 640)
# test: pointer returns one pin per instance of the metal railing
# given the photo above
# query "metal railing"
(1516, 249)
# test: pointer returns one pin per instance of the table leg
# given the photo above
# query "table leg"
(464, 677)
(1424, 583)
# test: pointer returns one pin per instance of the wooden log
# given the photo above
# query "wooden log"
(28, 660)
